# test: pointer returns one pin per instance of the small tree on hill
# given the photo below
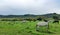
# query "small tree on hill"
(55, 17)
(39, 18)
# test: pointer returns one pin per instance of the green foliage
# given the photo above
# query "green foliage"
(55, 17)
(29, 28)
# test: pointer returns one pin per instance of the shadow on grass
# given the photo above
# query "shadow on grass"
(48, 32)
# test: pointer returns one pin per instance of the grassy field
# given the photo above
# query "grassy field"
(28, 28)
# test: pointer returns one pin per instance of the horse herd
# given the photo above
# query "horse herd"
(44, 23)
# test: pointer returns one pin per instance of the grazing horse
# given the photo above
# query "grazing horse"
(42, 24)
(56, 21)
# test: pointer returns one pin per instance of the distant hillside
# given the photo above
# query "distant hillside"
(51, 15)
(29, 15)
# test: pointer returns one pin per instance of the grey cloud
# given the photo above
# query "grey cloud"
(29, 6)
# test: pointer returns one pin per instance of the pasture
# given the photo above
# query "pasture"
(27, 28)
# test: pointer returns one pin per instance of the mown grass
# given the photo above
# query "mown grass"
(28, 28)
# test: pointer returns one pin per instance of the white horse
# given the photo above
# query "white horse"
(24, 21)
(43, 23)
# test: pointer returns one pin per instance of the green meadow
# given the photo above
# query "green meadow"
(27, 28)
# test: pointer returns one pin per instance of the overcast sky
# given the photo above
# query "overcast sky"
(19, 7)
